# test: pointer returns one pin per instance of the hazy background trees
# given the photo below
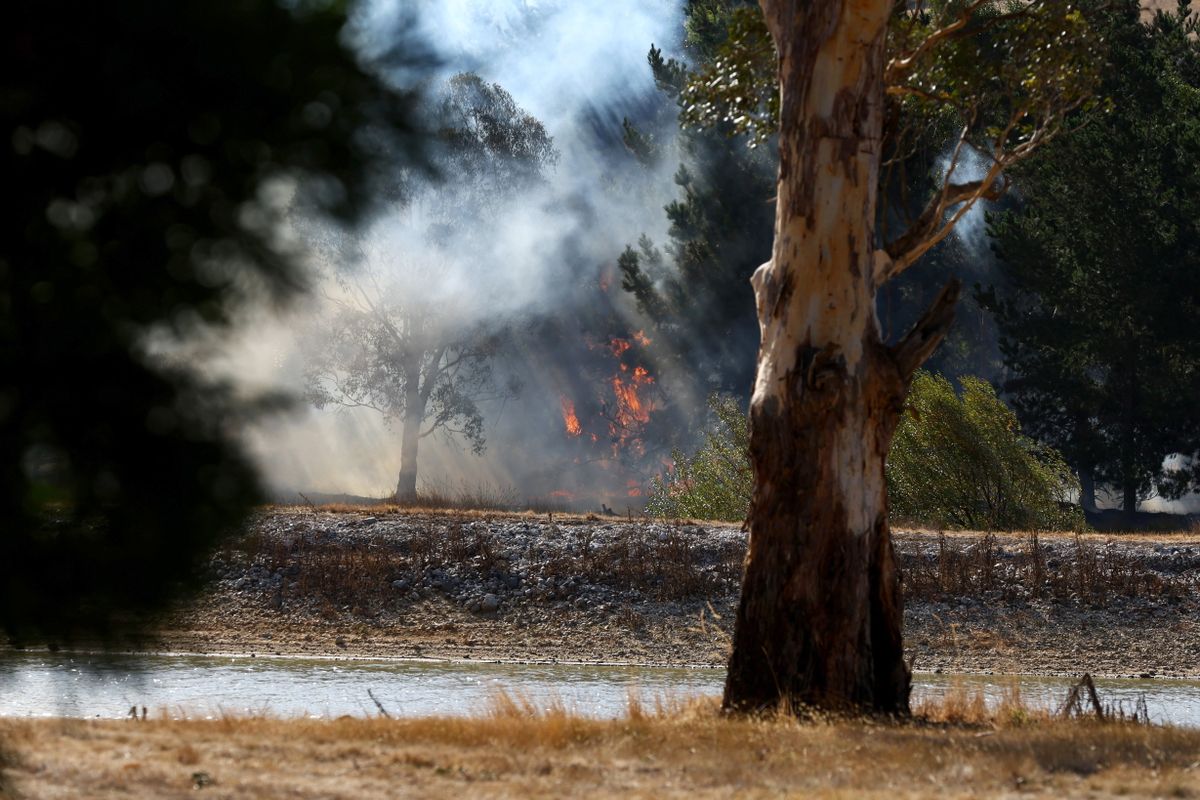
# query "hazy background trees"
(384, 349)
(150, 149)
(406, 333)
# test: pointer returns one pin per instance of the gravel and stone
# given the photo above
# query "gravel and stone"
(535, 588)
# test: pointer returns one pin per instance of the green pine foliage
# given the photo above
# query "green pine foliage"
(959, 460)
(694, 288)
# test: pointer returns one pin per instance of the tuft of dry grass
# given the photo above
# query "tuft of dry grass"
(960, 705)
(514, 748)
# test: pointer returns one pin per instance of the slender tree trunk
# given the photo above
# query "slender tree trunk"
(1129, 497)
(414, 415)
(1129, 436)
(406, 484)
(819, 623)
(1087, 490)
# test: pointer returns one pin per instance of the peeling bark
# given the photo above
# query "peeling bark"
(819, 623)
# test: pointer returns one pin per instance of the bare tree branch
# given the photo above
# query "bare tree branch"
(919, 343)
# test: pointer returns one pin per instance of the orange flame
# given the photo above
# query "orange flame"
(619, 346)
(569, 419)
(562, 494)
(631, 408)
(641, 338)
(635, 489)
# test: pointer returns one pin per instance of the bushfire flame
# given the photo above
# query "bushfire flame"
(630, 407)
(569, 419)
(628, 410)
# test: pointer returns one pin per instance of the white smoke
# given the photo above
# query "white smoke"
(578, 67)
(971, 228)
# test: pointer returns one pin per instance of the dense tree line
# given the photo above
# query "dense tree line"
(1100, 315)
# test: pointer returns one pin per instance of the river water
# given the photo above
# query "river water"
(81, 685)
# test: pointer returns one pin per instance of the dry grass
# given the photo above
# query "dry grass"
(666, 565)
(353, 573)
(1021, 568)
(1178, 537)
(513, 749)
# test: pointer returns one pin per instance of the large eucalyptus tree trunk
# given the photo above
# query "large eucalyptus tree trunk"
(819, 622)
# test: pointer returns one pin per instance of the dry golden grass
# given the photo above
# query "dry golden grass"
(515, 750)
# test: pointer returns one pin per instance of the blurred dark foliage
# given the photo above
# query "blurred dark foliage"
(144, 146)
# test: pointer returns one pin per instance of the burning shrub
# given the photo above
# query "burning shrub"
(962, 462)
(715, 482)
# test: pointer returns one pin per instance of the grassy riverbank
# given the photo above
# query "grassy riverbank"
(512, 751)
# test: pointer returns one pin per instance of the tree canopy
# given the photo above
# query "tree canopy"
(150, 149)
(695, 286)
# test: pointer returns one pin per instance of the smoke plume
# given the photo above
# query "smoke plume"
(540, 266)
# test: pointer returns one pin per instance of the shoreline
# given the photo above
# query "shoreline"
(500, 661)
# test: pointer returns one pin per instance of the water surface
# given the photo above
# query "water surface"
(81, 685)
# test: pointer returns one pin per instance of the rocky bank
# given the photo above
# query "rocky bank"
(389, 583)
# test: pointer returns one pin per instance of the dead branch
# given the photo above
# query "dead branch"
(1074, 702)
(378, 704)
